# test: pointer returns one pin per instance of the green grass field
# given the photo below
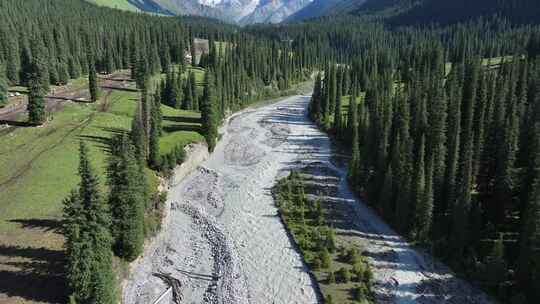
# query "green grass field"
(199, 75)
(118, 4)
(38, 169)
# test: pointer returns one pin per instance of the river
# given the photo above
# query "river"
(225, 243)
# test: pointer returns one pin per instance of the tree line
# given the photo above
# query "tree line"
(59, 40)
(447, 155)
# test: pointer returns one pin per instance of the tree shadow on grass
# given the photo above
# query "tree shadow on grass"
(176, 128)
(47, 225)
(104, 142)
(182, 119)
(76, 100)
(34, 274)
(120, 89)
(15, 123)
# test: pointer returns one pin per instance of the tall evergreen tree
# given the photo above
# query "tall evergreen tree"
(332, 95)
(154, 157)
(315, 106)
(36, 102)
(403, 167)
(88, 240)
(419, 190)
(92, 82)
(337, 110)
(208, 112)
(125, 199)
(453, 144)
(354, 166)
(530, 238)
(424, 214)
(3, 86)
(194, 105)
(138, 135)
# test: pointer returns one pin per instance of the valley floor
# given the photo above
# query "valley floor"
(225, 243)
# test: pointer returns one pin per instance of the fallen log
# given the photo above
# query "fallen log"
(162, 296)
(174, 286)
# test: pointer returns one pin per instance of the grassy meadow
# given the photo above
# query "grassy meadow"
(38, 169)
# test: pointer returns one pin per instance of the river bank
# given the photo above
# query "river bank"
(226, 244)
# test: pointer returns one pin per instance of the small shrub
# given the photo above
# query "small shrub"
(359, 293)
(368, 276)
(343, 253)
(325, 258)
(344, 275)
(331, 279)
(331, 240)
(171, 161)
(317, 264)
(358, 271)
(353, 256)
(329, 299)
(180, 154)
(318, 213)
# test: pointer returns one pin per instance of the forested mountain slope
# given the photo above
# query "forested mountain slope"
(408, 12)
(442, 124)
(445, 12)
(326, 7)
(149, 6)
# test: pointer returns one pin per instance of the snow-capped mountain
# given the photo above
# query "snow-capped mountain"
(273, 11)
(240, 11)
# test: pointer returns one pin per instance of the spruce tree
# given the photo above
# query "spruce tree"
(461, 209)
(125, 199)
(188, 101)
(154, 157)
(36, 93)
(453, 144)
(404, 168)
(3, 86)
(437, 142)
(419, 182)
(530, 234)
(92, 82)
(354, 166)
(142, 74)
(39, 64)
(193, 53)
(315, 106)
(194, 105)
(387, 193)
(337, 110)
(78, 268)
(352, 111)
(88, 240)
(424, 208)
(208, 112)
(332, 95)
(138, 135)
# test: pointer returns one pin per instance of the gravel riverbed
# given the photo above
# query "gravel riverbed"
(223, 239)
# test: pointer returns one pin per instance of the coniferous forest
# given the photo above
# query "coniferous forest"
(441, 120)
(441, 128)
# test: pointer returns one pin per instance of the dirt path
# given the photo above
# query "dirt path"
(225, 243)
(68, 93)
